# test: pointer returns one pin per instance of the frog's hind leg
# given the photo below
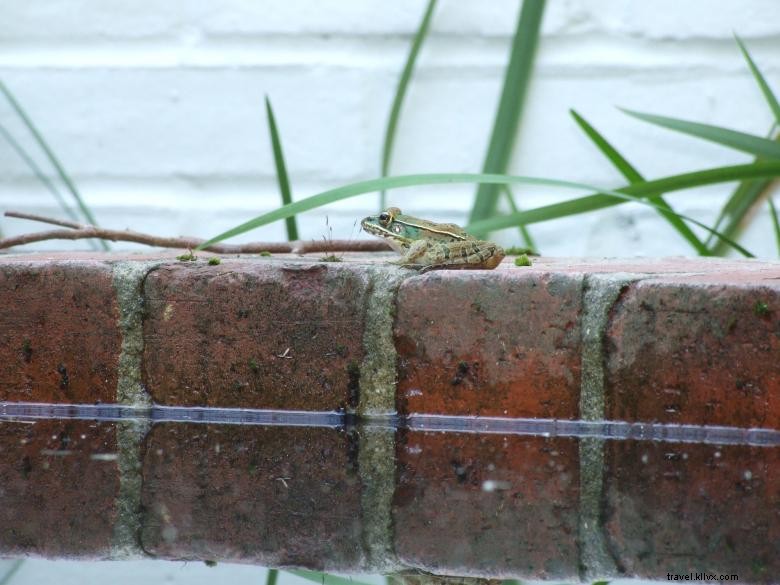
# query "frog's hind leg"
(470, 255)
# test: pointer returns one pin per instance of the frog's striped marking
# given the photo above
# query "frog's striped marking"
(444, 229)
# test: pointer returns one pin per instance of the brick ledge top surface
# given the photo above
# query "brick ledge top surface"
(763, 268)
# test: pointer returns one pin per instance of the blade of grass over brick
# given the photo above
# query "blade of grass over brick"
(324, 578)
(373, 185)
(580, 205)
(770, 98)
(775, 223)
(525, 235)
(732, 138)
(400, 94)
(281, 170)
(633, 176)
(64, 177)
(732, 217)
(510, 106)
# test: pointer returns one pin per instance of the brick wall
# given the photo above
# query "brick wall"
(628, 414)
(157, 111)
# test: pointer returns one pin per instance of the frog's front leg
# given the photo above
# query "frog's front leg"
(415, 256)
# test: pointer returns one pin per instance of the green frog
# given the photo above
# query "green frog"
(426, 245)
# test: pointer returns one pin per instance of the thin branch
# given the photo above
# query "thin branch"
(32, 217)
(80, 231)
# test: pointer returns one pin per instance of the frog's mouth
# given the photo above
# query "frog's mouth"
(376, 230)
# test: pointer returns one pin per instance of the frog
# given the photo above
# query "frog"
(425, 245)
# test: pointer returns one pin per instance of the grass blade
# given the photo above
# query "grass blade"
(38, 172)
(324, 578)
(762, 84)
(271, 578)
(633, 176)
(597, 201)
(624, 197)
(584, 204)
(281, 170)
(744, 197)
(775, 223)
(525, 235)
(400, 94)
(732, 138)
(44, 180)
(621, 164)
(52, 158)
(13, 568)
(510, 106)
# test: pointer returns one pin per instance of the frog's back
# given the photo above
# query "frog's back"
(447, 232)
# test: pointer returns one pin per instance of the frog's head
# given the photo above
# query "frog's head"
(388, 225)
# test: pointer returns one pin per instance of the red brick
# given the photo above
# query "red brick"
(61, 338)
(255, 335)
(447, 521)
(501, 343)
(695, 353)
(58, 498)
(681, 508)
(267, 495)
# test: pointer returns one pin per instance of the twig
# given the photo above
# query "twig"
(80, 231)
(63, 222)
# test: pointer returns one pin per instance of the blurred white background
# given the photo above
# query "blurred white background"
(156, 109)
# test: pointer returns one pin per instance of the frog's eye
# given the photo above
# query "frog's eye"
(384, 217)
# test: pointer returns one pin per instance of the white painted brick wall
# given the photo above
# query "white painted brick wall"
(156, 108)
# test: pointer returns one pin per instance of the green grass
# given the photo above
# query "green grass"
(510, 107)
(272, 577)
(55, 162)
(600, 199)
(525, 235)
(732, 138)
(281, 170)
(775, 223)
(5, 578)
(733, 215)
(732, 218)
(762, 84)
(400, 94)
(38, 172)
(633, 176)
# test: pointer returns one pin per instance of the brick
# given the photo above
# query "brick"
(254, 335)
(681, 508)
(703, 353)
(501, 343)
(277, 496)
(61, 338)
(58, 485)
(449, 521)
